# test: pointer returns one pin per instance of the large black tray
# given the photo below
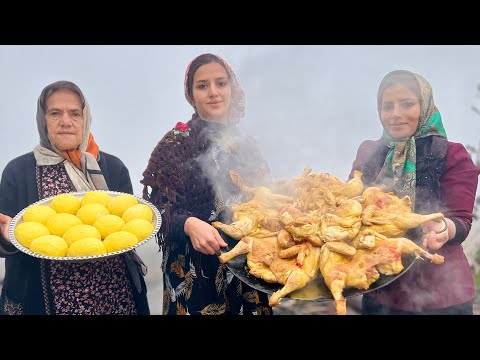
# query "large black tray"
(315, 290)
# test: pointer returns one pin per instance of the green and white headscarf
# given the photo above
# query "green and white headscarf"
(400, 163)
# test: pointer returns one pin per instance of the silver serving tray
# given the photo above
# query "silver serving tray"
(18, 219)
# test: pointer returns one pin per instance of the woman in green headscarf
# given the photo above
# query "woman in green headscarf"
(413, 157)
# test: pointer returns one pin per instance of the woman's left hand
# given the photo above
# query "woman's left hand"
(436, 234)
(5, 221)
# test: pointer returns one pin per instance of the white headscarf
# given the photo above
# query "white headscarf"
(90, 176)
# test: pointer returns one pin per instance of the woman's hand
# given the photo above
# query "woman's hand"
(5, 221)
(204, 237)
(437, 233)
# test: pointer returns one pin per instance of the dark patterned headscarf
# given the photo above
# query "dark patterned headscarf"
(400, 163)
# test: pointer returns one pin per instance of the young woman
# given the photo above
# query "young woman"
(414, 158)
(187, 178)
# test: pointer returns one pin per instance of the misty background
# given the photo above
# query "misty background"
(305, 105)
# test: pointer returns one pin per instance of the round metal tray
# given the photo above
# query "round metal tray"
(18, 219)
(316, 290)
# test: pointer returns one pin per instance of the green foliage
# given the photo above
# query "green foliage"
(475, 154)
(476, 277)
(475, 272)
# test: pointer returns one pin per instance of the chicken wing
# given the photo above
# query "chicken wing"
(389, 215)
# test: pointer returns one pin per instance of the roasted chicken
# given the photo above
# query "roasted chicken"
(341, 270)
(296, 267)
(317, 223)
(386, 214)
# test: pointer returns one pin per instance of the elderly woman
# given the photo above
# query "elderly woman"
(66, 160)
(414, 158)
(187, 178)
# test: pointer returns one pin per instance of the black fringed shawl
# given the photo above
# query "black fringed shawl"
(180, 166)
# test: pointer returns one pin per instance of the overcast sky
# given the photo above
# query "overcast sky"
(306, 105)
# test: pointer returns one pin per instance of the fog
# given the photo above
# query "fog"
(305, 105)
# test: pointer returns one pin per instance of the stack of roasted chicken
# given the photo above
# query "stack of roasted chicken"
(317, 224)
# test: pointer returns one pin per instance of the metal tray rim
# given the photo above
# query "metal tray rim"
(27, 251)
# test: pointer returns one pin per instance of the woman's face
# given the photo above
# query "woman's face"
(212, 92)
(64, 116)
(400, 111)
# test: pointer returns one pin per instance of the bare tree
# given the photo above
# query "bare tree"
(475, 153)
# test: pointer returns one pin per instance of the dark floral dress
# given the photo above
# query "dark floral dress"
(212, 291)
(189, 176)
(91, 288)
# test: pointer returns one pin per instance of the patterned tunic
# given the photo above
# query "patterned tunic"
(99, 287)
(212, 291)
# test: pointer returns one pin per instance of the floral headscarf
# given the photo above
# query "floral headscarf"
(400, 163)
(237, 105)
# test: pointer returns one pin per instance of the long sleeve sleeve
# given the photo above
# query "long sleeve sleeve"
(8, 191)
(116, 173)
(369, 160)
(360, 158)
(459, 187)
(125, 181)
(178, 229)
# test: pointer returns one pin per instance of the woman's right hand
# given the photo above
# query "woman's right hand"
(204, 237)
(5, 221)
